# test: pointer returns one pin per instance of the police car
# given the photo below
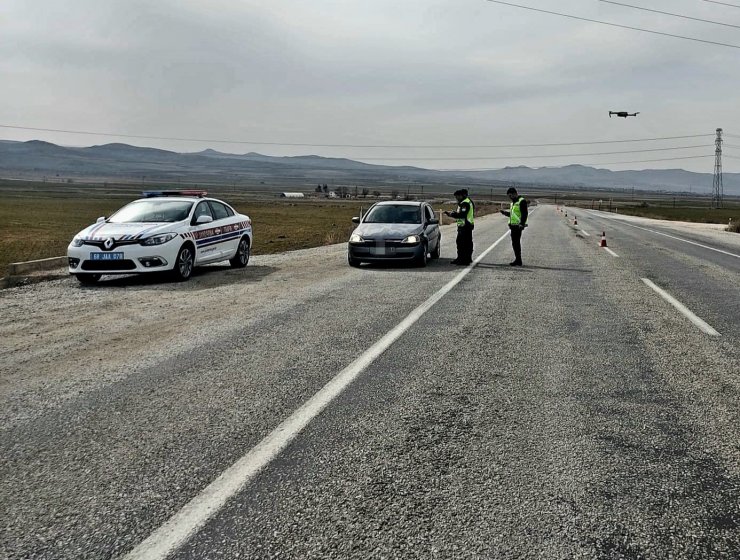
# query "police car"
(164, 231)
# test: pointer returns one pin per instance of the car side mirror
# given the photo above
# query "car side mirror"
(203, 219)
(100, 220)
(356, 220)
(433, 222)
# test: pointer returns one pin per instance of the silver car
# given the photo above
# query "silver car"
(395, 231)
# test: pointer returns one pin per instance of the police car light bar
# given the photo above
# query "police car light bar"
(151, 194)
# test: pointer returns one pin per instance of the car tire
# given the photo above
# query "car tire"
(438, 249)
(354, 263)
(184, 263)
(241, 258)
(88, 279)
(423, 259)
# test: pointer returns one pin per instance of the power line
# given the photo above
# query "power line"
(670, 14)
(461, 158)
(615, 24)
(296, 144)
(604, 163)
(722, 3)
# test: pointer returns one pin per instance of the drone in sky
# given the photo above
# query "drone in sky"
(623, 114)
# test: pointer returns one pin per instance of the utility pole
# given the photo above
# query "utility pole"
(717, 188)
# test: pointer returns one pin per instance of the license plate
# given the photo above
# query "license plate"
(384, 251)
(106, 256)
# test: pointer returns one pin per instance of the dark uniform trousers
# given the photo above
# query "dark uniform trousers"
(465, 244)
(516, 241)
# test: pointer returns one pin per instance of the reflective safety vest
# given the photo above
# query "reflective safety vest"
(470, 218)
(515, 213)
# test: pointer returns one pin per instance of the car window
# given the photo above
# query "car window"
(152, 211)
(219, 210)
(430, 213)
(394, 214)
(203, 209)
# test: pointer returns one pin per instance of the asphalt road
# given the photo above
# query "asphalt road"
(559, 410)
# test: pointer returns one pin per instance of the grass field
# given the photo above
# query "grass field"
(703, 215)
(36, 224)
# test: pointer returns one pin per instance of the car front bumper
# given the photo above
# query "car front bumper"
(126, 259)
(374, 253)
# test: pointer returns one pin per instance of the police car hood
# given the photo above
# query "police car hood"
(134, 230)
(388, 231)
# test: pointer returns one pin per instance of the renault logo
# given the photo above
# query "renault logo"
(108, 243)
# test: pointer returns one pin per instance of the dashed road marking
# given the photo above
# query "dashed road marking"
(608, 250)
(682, 308)
(194, 515)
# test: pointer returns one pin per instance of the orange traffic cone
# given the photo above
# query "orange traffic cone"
(603, 239)
(575, 221)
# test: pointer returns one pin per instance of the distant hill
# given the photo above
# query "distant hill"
(37, 159)
(647, 179)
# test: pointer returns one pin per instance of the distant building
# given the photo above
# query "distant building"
(292, 195)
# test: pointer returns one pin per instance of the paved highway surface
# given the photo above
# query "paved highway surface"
(564, 409)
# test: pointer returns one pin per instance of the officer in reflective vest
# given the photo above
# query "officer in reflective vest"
(465, 216)
(518, 214)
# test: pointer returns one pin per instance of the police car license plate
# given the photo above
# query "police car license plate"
(106, 256)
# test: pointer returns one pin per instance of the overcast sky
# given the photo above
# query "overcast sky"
(378, 72)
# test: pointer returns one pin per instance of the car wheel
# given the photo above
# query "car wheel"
(241, 258)
(353, 262)
(88, 279)
(438, 248)
(423, 259)
(184, 263)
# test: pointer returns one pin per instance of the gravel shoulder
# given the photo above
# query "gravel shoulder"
(59, 340)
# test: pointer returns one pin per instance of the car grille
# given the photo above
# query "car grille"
(124, 264)
(99, 243)
(384, 242)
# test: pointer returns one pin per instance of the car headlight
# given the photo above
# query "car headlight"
(78, 242)
(412, 239)
(159, 239)
(356, 238)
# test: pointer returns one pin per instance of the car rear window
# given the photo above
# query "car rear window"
(393, 214)
(152, 211)
(219, 210)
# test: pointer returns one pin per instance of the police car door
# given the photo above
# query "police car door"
(203, 231)
(225, 235)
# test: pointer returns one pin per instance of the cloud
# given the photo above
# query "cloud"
(331, 71)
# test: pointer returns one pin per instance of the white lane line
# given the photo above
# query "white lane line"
(584, 232)
(193, 515)
(682, 308)
(608, 250)
(673, 237)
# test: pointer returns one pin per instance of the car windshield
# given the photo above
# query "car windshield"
(152, 211)
(393, 214)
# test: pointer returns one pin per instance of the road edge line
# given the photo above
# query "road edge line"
(667, 235)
